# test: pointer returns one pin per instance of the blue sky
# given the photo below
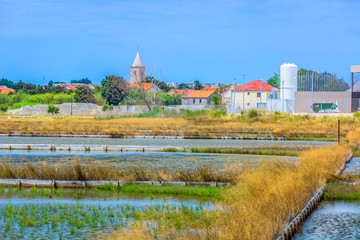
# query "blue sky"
(178, 40)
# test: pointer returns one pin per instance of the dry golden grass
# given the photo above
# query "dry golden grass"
(81, 170)
(264, 200)
(279, 126)
(354, 137)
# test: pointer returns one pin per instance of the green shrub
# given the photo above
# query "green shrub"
(252, 113)
(105, 107)
(217, 114)
(3, 107)
(53, 109)
(356, 114)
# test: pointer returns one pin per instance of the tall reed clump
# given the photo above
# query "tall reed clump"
(354, 137)
(83, 171)
(267, 198)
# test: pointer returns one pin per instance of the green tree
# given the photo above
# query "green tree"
(198, 85)
(309, 80)
(25, 87)
(53, 109)
(168, 99)
(8, 83)
(183, 86)
(83, 80)
(114, 89)
(51, 83)
(216, 99)
(162, 85)
(83, 94)
(274, 80)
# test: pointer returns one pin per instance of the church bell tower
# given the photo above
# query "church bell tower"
(137, 71)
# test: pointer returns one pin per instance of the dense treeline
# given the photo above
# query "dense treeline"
(30, 88)
(114, 90)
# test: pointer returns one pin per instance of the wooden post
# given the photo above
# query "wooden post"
(338, 131)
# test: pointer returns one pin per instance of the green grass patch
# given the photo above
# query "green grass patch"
(342, 192)
(237, 151)
(196, 191)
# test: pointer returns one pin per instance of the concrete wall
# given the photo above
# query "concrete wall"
(280, 105)
(64, 109)
(79, 109)
(188, 107)
(123, 110)
(303, 100)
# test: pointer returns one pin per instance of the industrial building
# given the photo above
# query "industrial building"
(300, 92)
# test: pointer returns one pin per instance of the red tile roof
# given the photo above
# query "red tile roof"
(197, 94)
(3, 87)
(177, 92)
(147, 86)
(256, 85)
(7, 90)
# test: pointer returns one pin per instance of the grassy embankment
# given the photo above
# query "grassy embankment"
(263, 201)
(200, 126)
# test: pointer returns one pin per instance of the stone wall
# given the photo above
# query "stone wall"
(123, 110)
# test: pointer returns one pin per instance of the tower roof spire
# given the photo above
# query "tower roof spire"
(137, 61)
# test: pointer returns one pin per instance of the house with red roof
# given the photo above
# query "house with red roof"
(255, 95)
(196, 97)
(5, 90)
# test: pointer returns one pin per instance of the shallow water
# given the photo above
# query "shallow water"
(71, 218)
(353, 167)
(333, 220)
(162, 143)
(138, 159)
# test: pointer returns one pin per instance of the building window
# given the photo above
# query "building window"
(248, 104)
(248, 93)
(199, 100)
(258, 94)
(193, 100)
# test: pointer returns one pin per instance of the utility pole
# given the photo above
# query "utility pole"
(312, 92)
(260, 91)
(283, 96)
(234, 108)
(243, 92)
